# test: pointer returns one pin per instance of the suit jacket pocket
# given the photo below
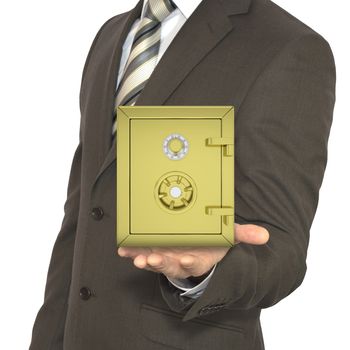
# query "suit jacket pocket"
(166, 327)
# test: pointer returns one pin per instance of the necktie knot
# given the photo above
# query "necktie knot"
(158, 10)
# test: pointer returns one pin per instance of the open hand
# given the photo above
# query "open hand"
(183, 262)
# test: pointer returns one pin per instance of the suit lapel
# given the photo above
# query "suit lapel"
(201, 32)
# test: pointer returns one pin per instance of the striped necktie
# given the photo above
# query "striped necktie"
(143, 54)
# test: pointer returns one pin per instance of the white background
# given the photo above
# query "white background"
(43, 49)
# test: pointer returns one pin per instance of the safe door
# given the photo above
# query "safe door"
(175, 176)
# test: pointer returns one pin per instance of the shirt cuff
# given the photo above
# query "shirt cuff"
(190, 289)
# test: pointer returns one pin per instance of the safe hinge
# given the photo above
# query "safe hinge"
(227, 142)
(225, 212)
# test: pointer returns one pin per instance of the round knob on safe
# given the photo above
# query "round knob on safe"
(175, 145)
(175, 191)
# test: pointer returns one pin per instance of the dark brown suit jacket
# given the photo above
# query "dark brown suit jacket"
(280, 76)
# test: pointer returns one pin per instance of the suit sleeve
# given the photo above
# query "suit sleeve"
(282, 129)
(48, 329)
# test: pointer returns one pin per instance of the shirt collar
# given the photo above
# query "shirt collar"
(186, 7)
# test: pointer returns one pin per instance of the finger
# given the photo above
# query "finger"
(252, 234)
(194, 266)
(156, 261)
(164, 264)
(133, 252)
(140, 261)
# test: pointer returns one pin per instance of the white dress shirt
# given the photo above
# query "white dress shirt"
(169, 28)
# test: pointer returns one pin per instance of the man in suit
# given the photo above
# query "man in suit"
(279, 74)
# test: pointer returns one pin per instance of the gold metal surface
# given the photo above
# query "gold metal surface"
(175, 176)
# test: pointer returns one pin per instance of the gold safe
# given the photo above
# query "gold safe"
(175, 176)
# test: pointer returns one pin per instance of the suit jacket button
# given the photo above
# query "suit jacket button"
(97, 213)
(85, 293)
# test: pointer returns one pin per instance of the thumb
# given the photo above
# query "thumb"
(252, 234)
